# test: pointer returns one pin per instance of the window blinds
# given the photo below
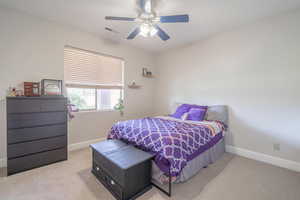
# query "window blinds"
(89, 69)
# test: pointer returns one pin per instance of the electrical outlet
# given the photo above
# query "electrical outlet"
(276, 147)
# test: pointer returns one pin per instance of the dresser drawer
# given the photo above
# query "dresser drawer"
(54, 105)
(23, 106)
(36, 133)
(36, 160)
(22, 149)
(36, 105)
(35, 119)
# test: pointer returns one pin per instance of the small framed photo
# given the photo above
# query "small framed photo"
(31, 89)
(51, 87)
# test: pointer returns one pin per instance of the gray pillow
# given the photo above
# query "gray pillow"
(219, 113)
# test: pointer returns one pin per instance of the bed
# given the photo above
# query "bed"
(181, 148)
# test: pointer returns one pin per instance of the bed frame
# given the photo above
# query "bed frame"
(169, 192)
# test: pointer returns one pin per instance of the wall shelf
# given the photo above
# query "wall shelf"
(134, 86)
(146, 73)
(148, 76)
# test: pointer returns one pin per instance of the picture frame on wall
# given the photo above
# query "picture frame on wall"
(51, 87)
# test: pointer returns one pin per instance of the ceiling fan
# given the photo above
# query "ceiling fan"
(149, 20)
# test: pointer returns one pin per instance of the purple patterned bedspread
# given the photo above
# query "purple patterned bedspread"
(173, 143)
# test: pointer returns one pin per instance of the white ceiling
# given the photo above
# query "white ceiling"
(206, 16)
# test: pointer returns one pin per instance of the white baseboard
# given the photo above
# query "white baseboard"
(280, 162)
(85, 144)
(3, 162)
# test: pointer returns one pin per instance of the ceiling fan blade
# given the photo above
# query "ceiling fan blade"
(174, 19)
(111, 30)
(119, 18)
(161, 33)
(134, 33)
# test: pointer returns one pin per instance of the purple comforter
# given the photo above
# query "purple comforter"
(173, 143)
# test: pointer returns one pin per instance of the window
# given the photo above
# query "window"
(83, 98)
(93, 81)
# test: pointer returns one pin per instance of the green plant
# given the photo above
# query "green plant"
(120, 106)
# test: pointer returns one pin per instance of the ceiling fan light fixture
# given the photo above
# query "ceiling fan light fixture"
(153, 31)
(147, 16)
(148, 30)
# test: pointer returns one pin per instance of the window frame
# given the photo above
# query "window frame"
(99, 87)
(96, 98)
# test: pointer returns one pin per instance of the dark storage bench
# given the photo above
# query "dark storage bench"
(123, 169)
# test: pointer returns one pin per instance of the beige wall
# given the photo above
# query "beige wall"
(255, 70)
(32, 49)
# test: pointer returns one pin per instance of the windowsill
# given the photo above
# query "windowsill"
(95, 111)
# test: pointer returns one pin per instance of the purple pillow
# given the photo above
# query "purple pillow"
(197, 106)
(184, 108)
(196, 114)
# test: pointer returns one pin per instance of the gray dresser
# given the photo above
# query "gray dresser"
(36, 132)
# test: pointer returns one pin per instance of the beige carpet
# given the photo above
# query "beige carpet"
(230, 178)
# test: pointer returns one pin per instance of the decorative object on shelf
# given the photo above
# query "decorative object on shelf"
(133, 85)
(12, 92)
(51, 87)
(31, 89)
(147, 73)
(19, 93)
(120, 106)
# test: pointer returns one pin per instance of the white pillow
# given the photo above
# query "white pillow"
(184, 116)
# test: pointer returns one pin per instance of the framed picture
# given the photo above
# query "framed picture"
(31, 89)
(51, 87)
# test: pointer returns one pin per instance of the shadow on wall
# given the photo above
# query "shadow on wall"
(180, 191)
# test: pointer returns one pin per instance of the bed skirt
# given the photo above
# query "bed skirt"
(194, 166)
